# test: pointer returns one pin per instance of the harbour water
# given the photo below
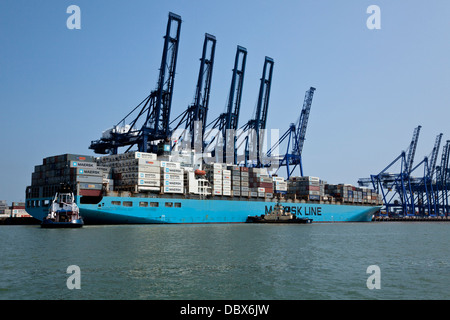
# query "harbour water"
(227, 261)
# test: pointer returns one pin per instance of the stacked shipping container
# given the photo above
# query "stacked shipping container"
(142, 172)
(214, 174)
(349, 193)
(279, 185)
(75, 170)
(260, 183)
(305, 187)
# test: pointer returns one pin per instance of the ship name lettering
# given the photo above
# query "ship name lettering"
(316, 211)
(307, 211)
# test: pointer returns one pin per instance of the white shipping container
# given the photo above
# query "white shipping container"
(228, 188)
(148, 162)
(146, 188)
(136, 162)
(261, 194)
(261, 189)
(236, 193)
(172, 183)
(278, 179)
(217, 177)
(90, 172)
(173, 189)
(217, 192)
(226, 172)
(245, 189)
(172, 170)
(226, 182)
(226, 177)
(226, 193)
(253, 194)
(172, 165)
(172, 176)
(144, 155)
(83, 164)
(149, 175)
(148, 182)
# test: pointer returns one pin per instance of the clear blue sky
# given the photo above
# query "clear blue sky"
(60, 88)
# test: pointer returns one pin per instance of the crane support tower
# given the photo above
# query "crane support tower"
(257, 125)
(194, 118)
(226, 123)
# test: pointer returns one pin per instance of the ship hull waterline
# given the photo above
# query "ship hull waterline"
(134, 210)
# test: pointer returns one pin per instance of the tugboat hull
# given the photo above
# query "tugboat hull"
(259, 219)
(47, 223)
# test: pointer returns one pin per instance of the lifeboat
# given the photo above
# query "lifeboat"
(200, 172)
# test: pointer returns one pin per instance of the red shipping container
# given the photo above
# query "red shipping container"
(91, 193)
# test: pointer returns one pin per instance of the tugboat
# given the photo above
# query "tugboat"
(63, 212)
(278, 215)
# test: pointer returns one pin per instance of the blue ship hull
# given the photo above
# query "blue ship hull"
(121, 210)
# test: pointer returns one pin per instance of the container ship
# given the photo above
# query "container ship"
(144, 188)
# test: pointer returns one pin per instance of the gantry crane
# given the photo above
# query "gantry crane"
(295, 137)
(194, 118)
(226, 123)
(255, 128)
(396, 188)
(442, 179)
(153, 110)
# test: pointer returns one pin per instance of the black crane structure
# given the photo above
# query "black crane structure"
(194, 118)
(156, 107)
(149, 128)
(226, 124)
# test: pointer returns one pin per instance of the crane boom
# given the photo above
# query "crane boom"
(258, 123)
(303, 122)
(433, 157)
(295, 137)
(229, 120)
(412, 150)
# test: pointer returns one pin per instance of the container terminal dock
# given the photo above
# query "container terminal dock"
(214, 171)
